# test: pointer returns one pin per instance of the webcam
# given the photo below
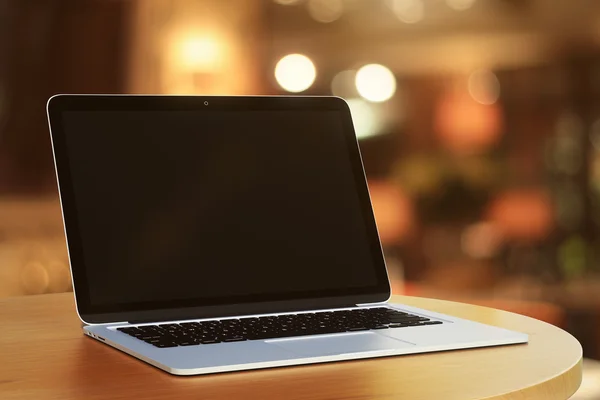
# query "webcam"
(206, 103)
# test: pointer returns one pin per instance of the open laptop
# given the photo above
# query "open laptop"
(212, 234)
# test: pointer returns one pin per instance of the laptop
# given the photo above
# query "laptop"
(213, 234)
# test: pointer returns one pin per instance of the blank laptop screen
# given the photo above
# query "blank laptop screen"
(215, 204)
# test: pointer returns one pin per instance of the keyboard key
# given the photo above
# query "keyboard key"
(164, 344)
(402, 320)
(209, 341)
(149, 337)
(127, 330)
(234, 339)
(274, 326)
(190, 326)
(398, 326)
(170, 326)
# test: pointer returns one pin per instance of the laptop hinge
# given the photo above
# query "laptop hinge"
(188, 317)
(154, 321)
(371, 304)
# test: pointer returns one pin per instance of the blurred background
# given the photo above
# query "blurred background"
(478, 121)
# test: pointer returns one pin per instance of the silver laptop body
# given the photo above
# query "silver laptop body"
(135, 281)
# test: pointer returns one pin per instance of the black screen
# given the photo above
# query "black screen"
(215, 204)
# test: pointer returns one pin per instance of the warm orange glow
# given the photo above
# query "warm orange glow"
(408, 11)
(325, 11)
(465, 126)
(460, 5)
(393, 211)
(34, 278)
(481, 240)
(199, 53)
(484, 87)
(524, 214)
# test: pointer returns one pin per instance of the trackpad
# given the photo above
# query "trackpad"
(339, 344)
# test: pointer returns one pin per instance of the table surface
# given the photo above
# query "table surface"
(43, 355)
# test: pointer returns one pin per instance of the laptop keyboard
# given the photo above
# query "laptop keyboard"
(276, 326)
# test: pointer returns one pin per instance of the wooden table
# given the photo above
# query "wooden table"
(43, 355)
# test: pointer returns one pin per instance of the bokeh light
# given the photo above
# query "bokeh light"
(460, 5)
(287, 2)
(34, 278)
(375, 83)
(295, 73)
(595, 176)
(366, 119)
(595, 135)
(408, 11)
(343, 84)
(465, 126)
(565, 153)
(393, 211)
(484, 87)
(481, 240)
(199, 53)
(522, 214)
(569, 123)
(325, 11)
(419, 175)
(60, 278)
(569, 206)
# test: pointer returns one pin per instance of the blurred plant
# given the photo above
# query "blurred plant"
(572, 257)
(447, 188)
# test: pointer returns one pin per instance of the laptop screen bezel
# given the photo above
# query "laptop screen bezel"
(182, 309)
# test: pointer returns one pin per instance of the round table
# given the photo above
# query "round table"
(548, 367)
(48, 357)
